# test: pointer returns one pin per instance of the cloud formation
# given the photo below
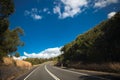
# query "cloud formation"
(70, 9)
(47, 53)
(34, 14)
(19, 58)
(111, 14)
(46, 10)
(104, 3)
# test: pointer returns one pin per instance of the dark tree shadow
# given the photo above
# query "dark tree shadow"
(100, 77)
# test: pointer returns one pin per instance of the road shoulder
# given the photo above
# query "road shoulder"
(106, 75)
(22, 77)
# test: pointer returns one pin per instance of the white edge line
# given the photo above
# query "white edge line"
(82, 73)
(56, 78)
(30, 73)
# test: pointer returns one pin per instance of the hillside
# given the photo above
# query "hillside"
(10, 69)
(98, 45)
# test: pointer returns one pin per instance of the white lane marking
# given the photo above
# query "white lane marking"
(56, 78)
(73, 72)
(30, 73)
(82, 74)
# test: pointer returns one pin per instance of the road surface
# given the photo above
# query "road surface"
(49, 72)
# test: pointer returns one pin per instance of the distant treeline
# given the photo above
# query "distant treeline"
(98, 45)
(36, 61)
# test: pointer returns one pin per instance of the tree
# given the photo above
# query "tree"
(100, 44)
(6, 9)
(9, 39)
(17, 54)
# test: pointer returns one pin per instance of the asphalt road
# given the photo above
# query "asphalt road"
(49, 72)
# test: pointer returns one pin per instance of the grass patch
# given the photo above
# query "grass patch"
(10, 69)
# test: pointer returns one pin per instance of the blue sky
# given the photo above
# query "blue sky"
(50, 24)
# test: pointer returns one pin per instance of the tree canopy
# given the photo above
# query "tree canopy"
(100, 44)
(17, 54)
(9, 39)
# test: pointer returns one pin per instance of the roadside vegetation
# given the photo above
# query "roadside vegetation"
(9, 43)
(36, 61)
(9, 39)
(10, 69)
(96, 49)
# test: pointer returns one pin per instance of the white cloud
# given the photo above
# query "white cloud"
(36, 17)
(48, 12)
(34, 13)
(70, 9)
(34, 10)
(45, 9)
(57, 10)
(47, 53)
(19, 58)
(111, 14)
(26, 12)
(104, 3)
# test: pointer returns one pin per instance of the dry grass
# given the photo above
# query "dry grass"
(11, 68)
(8, 61)
(115, 66)
(23, 64)
(10, 72)
(18, 63)
(105, 67)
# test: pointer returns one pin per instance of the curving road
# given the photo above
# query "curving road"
(49, 72)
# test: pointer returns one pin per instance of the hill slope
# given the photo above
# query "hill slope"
(99, 45)
(10, 69)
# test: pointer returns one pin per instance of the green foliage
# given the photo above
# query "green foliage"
(100, 44)
(6, 8)
(35, 61)
(9, 39)
(17, 54)
(3, 25)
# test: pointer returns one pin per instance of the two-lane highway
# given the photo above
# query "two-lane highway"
(49, 72)
(39, 74)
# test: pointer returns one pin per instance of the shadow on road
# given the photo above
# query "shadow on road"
(100, 77)
(89, 78)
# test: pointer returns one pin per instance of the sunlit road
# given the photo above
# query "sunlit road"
(49, 72)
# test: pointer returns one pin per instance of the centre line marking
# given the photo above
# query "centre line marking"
(56, 78)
